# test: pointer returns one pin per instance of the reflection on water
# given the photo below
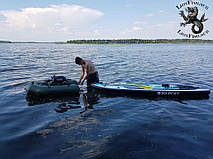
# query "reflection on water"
(79, 132)
(81, 135)
(89, 98)
(37, 100)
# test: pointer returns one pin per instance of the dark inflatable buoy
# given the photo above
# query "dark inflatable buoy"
(56, 86)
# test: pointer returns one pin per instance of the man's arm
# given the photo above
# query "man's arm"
(82, 74)
(85, 75)
(84, 79)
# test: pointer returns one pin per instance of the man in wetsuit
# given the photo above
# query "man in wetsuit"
(91, 72)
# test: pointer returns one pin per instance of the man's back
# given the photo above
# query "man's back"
(90, 67)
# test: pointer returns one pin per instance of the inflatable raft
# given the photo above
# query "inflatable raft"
(57, 86)
(150, 90)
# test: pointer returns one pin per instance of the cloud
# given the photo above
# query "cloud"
(165, 26)
(136, 28)
(152, 31)
(154, 14)
(150, 15)
(161, 12)
(53, 19)
(128, 5)
(140, 23)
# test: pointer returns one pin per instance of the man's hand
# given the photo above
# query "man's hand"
(81, 83)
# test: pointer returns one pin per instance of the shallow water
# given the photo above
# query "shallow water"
(111, 127)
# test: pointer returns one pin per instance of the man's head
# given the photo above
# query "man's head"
(78, 60)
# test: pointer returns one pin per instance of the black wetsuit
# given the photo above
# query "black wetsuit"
(92, 78)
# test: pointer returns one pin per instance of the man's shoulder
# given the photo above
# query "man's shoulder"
(88, 62)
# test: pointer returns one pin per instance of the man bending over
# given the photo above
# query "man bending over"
(91, 73)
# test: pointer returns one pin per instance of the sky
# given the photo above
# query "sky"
(62, 20)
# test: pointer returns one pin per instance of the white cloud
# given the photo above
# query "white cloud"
(154, 14)
(164, 26)
(161, 11)
(128, 5)
(152, 31)
(140, 23)
(97, 33)
(158, 25)
(56, 18)
(136, 28)
(150, 15)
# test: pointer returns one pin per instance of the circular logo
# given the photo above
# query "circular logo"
(193, 18)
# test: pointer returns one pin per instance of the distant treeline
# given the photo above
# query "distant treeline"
(5, 41)
(138, 41)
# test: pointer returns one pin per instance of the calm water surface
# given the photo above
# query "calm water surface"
(112, 127)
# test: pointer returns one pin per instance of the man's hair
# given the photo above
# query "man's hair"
(78, 60)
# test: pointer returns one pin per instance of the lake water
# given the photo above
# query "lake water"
(112, 127)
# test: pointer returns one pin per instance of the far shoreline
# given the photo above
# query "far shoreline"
(141, 41)
(119, 42)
